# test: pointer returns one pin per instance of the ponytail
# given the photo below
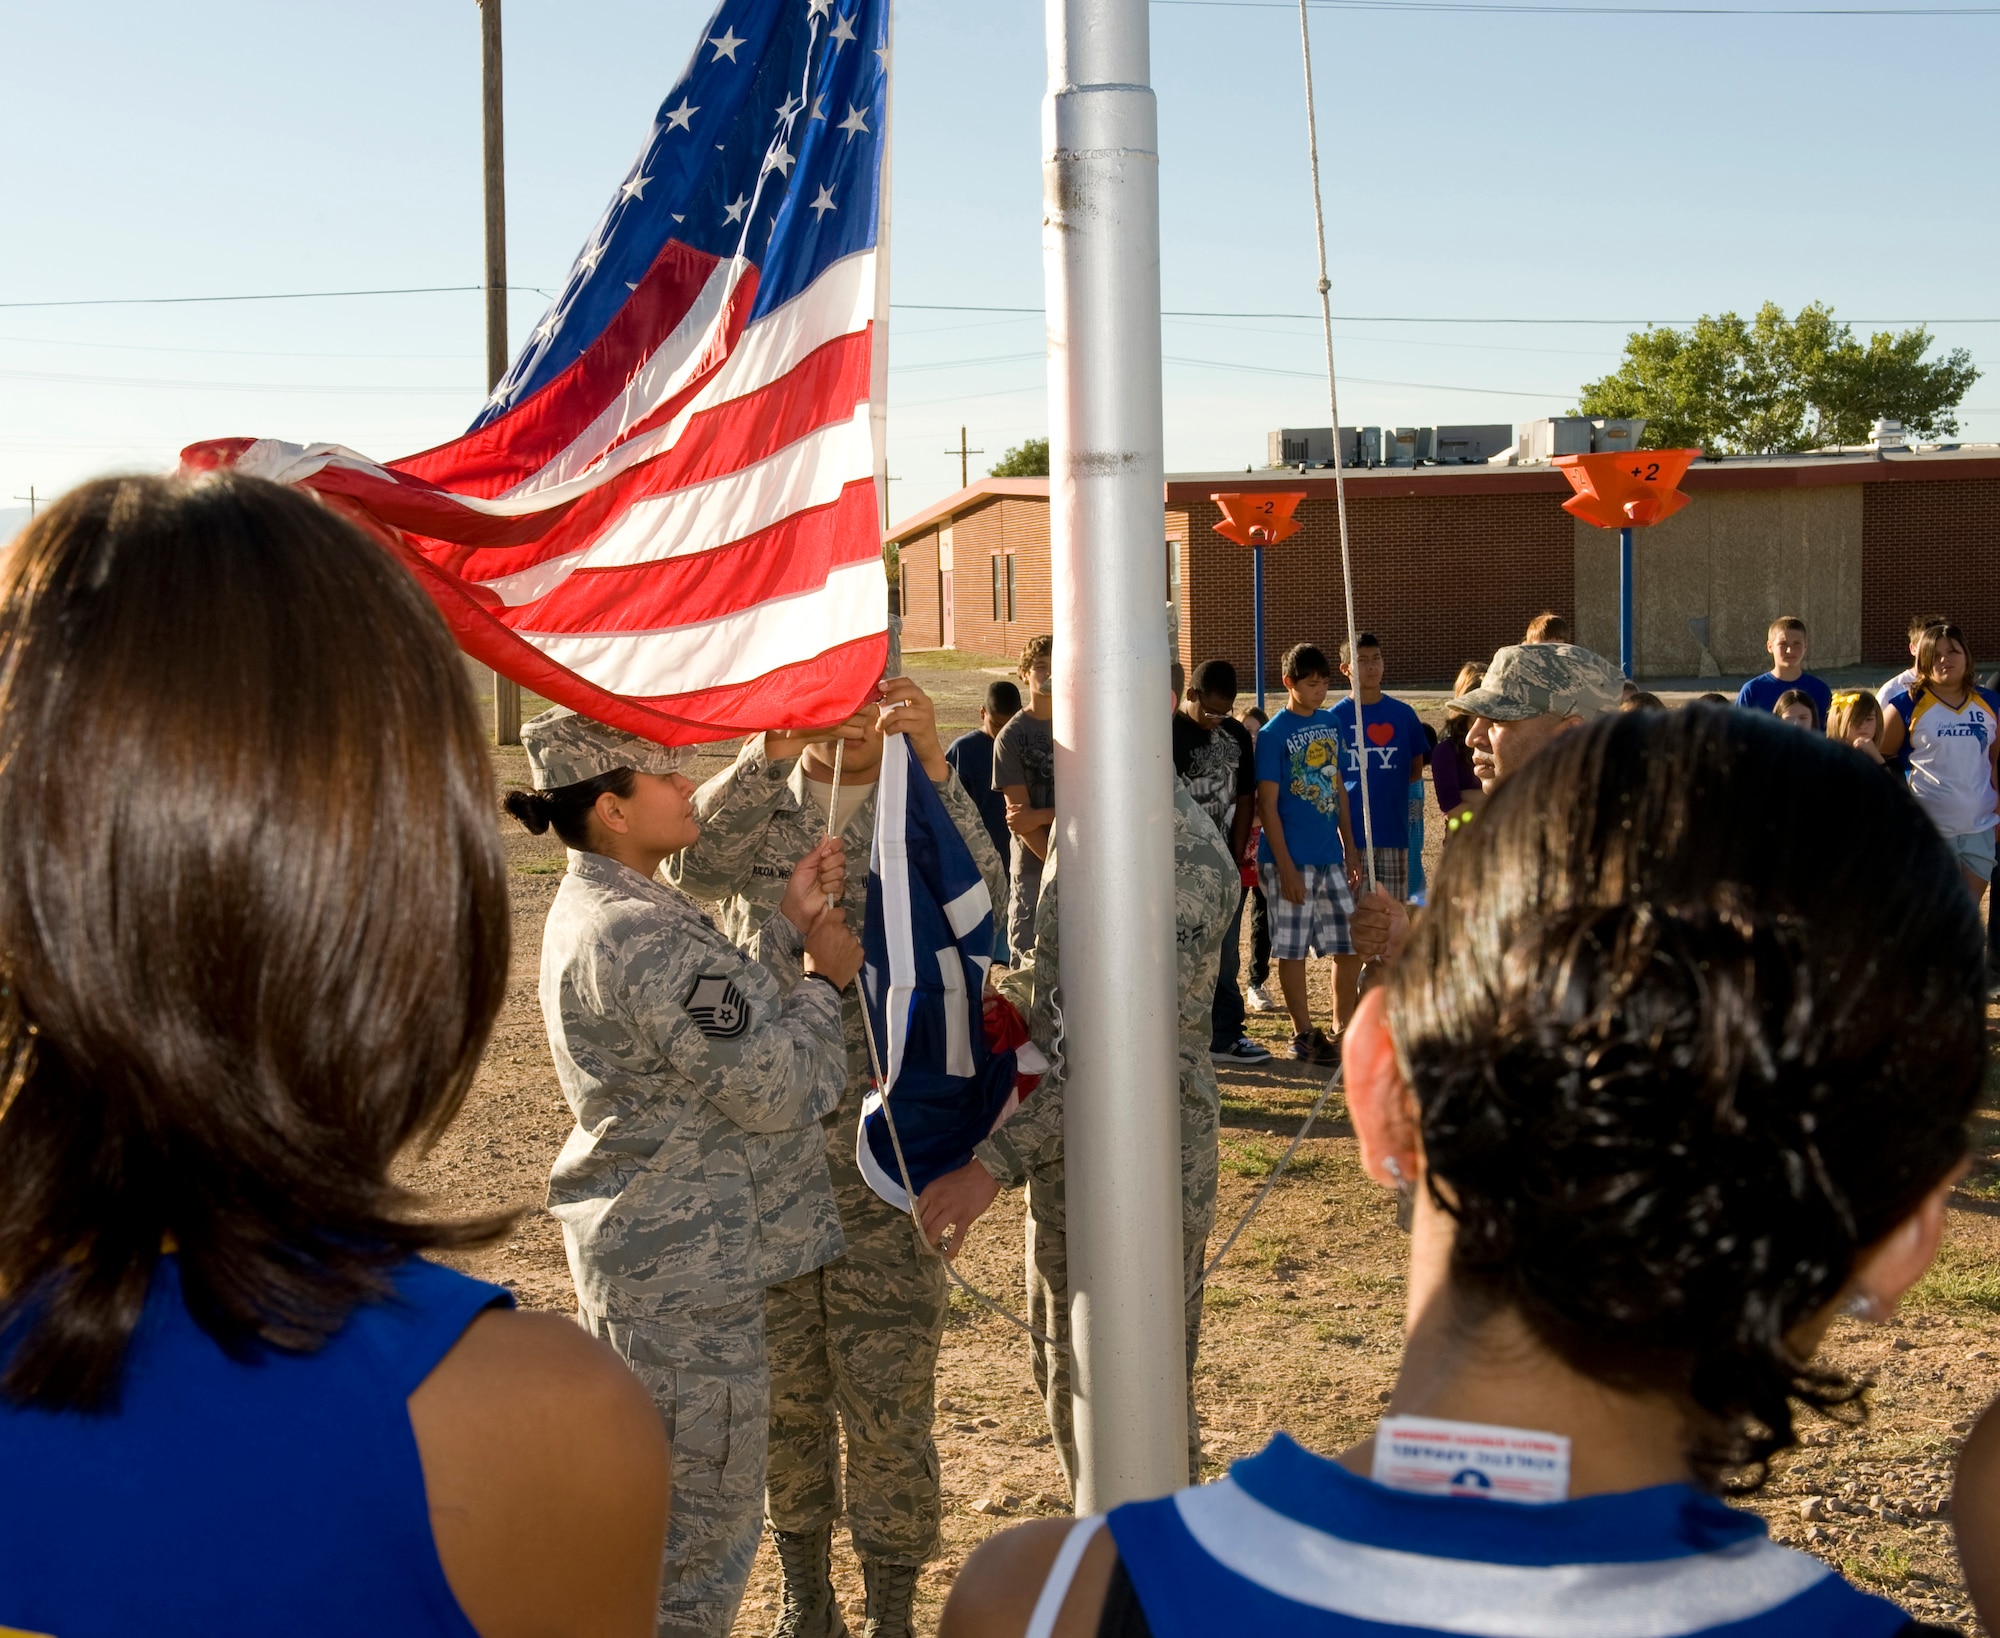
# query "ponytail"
(567, 808)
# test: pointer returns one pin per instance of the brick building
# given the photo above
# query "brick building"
(1450, 563)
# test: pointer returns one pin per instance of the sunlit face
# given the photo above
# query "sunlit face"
(1501, 748)
(1788, 647)
(1799, 716)
(658, 815)
(1308, 693)
(1037, 677)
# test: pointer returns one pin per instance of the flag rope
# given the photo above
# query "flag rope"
(1339, 465)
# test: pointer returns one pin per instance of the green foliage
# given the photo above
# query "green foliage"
(892, 562)
(1776, 383)
(1960, 1278)
(1028, 460)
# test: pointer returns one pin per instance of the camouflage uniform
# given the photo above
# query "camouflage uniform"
(1030, 1146)
(1544, 679)
(854, 1344)
(695, 1176)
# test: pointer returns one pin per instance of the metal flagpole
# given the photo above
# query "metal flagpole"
(878, 379)
(1121, 1128)
(506, 692)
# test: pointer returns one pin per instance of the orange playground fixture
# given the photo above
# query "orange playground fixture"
(1625, 490)
(1258, 521)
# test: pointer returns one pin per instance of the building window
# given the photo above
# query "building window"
(1010, 586)
(997, 615)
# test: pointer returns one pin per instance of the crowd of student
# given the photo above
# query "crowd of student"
(1651, 1135)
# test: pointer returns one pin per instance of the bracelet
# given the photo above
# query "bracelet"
(1454, 825)
(838, 989)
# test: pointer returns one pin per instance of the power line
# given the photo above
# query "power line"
(277, 295)
(1421, 6)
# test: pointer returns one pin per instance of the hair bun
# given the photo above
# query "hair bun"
(531, 808)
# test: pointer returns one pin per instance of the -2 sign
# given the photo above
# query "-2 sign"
(1261, 519)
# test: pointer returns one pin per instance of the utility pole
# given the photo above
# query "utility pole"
(962, 452)
(506, 693)
(29, 497)
(1114, 770)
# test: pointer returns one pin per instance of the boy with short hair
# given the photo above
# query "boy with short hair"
(1906, 679)
(1547, 627)
(1785, 641)
(1217, 760)
(1024, 769)
(971, 758)
(1305, 860)
(1394, 749)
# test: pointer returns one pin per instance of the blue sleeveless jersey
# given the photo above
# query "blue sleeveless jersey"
(281, 1494)
(1291, 1543)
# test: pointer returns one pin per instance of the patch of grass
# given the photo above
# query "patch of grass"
(540, 869)
(965, 1308)
(1889, 1568)
(1251, 1160)
(1219, 1299)
(1960, 1278)
(1324, 1332)
(1270, 1250)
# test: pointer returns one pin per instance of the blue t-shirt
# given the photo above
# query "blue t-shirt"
(971, 758)
(1761, 693)
(1302, 756)
(1292, 1545)
(1396, 739)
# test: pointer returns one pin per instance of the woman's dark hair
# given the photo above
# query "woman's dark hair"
(1931, 644)
(567, 807)
(1679, 1059)
(254, 913)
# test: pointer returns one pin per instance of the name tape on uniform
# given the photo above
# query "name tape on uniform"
(1439, 1458)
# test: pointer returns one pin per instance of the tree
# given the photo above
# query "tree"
(1776, 384)
(1029, 460)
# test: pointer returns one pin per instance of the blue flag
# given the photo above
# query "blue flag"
(928, 942)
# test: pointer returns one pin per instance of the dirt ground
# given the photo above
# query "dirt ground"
(1303, 1327)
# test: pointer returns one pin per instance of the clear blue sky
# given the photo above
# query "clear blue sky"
(1499, 165)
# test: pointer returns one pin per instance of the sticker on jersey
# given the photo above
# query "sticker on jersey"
(1439, 1458)
(717, 1007)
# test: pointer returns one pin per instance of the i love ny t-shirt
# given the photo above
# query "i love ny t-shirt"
(1395, 740)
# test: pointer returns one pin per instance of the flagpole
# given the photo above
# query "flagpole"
(506, 692)
(878, 377)
(1114, 775)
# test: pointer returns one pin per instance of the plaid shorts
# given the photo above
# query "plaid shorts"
(1392, 871)
(1317, 927)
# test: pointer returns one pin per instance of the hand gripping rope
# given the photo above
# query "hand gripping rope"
(1360, 743)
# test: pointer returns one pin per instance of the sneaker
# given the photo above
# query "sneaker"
(1242, 1050)
(1258, 999)
(1314, 1048)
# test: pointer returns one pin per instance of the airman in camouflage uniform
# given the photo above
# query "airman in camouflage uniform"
(696, 1174)
(854, 1344)
(1029, 1147)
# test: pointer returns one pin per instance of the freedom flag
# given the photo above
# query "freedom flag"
(666, 515)
(927, 942)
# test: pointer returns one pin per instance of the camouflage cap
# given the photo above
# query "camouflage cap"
(566, 749)
(1544, 679)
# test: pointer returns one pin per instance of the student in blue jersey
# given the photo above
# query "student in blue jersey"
(1395, 750)
(1950, 728)
(254, 910)
(1654, 1142)
(1786, 644)
(1307, 861)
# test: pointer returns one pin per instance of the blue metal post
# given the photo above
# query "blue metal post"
(1625, 600)
(1257, 616)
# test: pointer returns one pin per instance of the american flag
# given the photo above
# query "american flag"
(666, 515)
(948, 1068)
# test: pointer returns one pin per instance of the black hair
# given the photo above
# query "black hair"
(1215, 678)
(1303, 660)
(1679, 1061)
(1003, 698)
(1363, 639)
(254, 913)
(567, 808)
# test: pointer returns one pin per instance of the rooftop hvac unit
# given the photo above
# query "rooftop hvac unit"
(1293, 446)
(1469, 446)
(1399, 447)
(1360, 446)
(1614, 436)
(1557, 435)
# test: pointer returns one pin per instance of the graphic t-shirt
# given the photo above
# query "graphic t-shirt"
(1024, 753)
(971, 758)
(1951, 772)
(1219, 767)
(1762, 693)
(1396, 740)
(1302, 757)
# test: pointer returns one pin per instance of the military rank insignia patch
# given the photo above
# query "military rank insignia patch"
(717, 1007)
